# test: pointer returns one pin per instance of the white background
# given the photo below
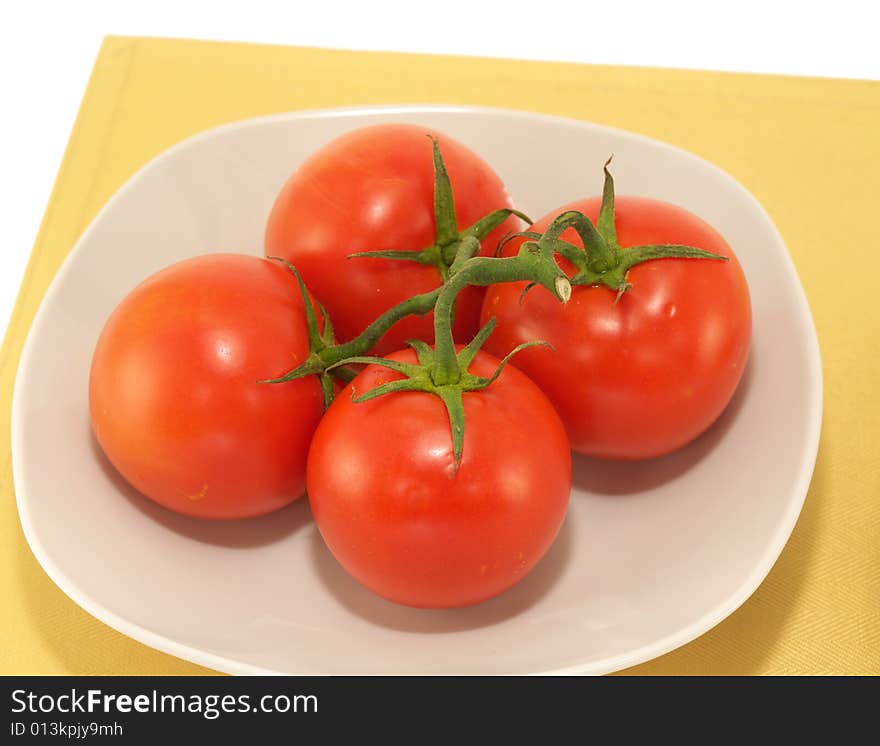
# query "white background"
(47, 50)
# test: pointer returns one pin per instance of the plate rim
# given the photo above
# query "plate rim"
(638, 655)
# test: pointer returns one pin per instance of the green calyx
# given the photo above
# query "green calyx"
(448, 239)
(325, 353)
(601, 260)
(419, 377)
(320, 340)
(443, 370)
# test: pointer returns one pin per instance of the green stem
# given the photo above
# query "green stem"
(325, 355)
(533, 263)
(418, 305)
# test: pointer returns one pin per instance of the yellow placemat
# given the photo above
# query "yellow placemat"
(809, 149)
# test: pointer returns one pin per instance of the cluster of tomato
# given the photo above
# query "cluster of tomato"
(225, 386)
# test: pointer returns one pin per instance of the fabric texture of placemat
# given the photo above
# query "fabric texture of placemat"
(808, 149)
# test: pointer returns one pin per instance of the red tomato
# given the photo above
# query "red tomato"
(645, 376)
(384, 494)
(373, 189)
(173, 393)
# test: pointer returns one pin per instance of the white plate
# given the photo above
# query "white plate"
(651, 555)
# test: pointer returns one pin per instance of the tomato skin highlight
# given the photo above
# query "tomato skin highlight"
(173, 392)
(384, 497)
(373, 189)
(643, 377)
